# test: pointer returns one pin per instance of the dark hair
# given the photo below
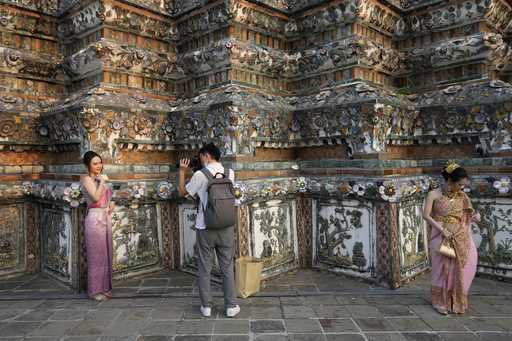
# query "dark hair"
(212, 150)
(88, 156)
(457, 174)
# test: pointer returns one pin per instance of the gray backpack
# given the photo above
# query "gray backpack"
(220, 212)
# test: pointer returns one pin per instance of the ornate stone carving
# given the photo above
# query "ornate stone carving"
(87, 18)
(501, 53)
(15, 20)
(338, 14)
(14, 61)
(378, 16)
(145, 25)
(499, 15)
(47, 6)
(211, 19)
(241, 13)
(449, 15)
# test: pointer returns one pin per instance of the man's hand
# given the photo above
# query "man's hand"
(184, 163)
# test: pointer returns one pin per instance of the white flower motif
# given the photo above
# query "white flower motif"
(502, 185)
(138, 191)
(301, 184)
(27, 187)
(359, 189)
(388, 191)
(164, 189)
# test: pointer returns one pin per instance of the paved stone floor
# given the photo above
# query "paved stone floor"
(304, 305)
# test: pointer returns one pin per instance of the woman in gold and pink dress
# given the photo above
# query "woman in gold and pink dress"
(98, 230)
(449, 213)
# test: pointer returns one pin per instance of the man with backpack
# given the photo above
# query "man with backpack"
(215, 224)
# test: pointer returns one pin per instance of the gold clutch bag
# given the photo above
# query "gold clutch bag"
(446, 249)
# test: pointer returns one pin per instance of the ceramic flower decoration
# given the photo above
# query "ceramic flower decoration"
(502, 185)
(388, 191)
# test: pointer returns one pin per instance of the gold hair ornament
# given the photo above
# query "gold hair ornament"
(451, 166)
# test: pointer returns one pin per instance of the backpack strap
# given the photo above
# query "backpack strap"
(207, 173)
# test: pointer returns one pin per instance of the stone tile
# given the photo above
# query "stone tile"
(16, 305)
(504, 323)
(345, 337)
(167, 313)
(331, 311)
(38, 338)
(201, 327)
(102, 314)
(18, 328)
(274, 337)
(55, 304)
(300, 300)
(409, 324)
(395, 310)
(135, 314)
(193, 338)
(59, 328)
(310, 326)
(193, 313)
(421, 337)
(35, 315)
(78, 338)
(424, 310)
(69, 314)
(384, 337)
(89, 328)
(345, 300)
(481, 324)
(125, 327)
(116, 338)
(446, 323)
(307, 337)
(6, 314)
(150, 302)
(321, 300)
(155, 282)
(363, 311)
(266, 312)
(272, 301)
(297, 311)
(374, 324)
(458, 336)
(230, 337)
(155, 338)
(267, 326)
(231, 327)
(164, 328)
(84, 304)
(338, 325)
(495, 336)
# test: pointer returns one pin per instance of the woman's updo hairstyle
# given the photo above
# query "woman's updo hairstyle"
(88, 156)
(452, 171)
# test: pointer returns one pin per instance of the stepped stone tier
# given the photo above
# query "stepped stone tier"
(337, 117)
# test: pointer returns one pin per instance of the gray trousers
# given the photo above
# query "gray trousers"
(221, 241)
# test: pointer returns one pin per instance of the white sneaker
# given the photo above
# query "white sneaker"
(233, 311)
(206, 311)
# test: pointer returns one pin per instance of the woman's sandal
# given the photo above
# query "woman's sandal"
(442, 311)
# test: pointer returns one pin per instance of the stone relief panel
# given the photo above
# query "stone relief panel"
(46, 6)
(442, 17)
(344, 236)
(15, 62)
(413, 239)
(57, 242)
(499, 16)
(493, 236)
(14, 20)
(12, 238)
(88, 17)
(136, 235)
(187, 214)
(274, 235)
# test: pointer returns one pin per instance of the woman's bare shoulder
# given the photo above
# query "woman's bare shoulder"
(85, 178)
(434, 194)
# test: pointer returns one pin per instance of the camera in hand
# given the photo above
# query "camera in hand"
(195, 164)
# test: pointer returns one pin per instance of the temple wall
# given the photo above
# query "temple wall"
(336, 116)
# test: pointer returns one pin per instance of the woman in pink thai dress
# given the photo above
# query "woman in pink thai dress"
(98, 230)
(449, 213)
